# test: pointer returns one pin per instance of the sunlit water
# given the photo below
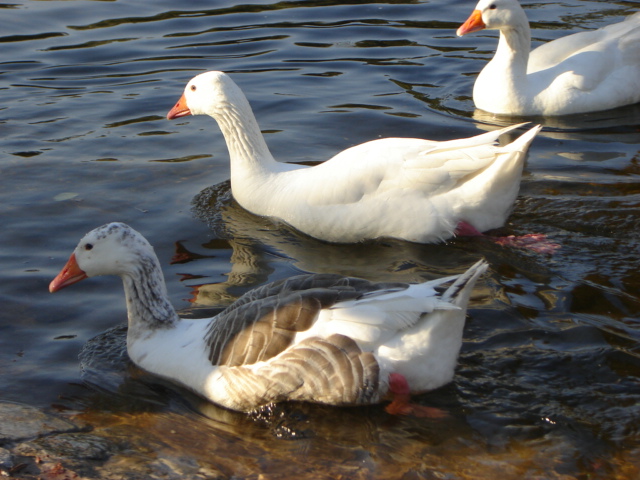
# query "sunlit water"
(548, 378)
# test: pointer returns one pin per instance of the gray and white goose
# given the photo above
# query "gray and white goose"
(319, 338)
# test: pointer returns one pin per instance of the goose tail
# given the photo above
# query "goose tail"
(521, 144)
(486, 138)
(459, 292)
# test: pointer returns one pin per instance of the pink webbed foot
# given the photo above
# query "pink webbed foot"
(401, 403)
(536, 242)
(533, 241)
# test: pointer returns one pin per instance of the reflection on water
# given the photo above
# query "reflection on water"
(547, 384)
(394, 259)
(615, 125)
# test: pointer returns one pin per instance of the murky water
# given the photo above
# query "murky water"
(547, 385)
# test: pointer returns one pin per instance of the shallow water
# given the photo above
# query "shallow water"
(548, 379)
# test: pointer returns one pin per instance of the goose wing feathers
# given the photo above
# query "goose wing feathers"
(335, 368)
(265, 321)
(426, 168)
(334, 371)
(619, 40)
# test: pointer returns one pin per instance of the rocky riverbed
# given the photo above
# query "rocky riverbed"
(57, 446)
(161, 444)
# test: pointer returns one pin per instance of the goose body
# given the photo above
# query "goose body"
(583, 72)
(405, 188)
(318, 338)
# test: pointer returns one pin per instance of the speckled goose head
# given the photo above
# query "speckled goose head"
(208, 94)
(113, 249)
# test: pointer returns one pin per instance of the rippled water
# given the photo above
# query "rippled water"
(548, 377)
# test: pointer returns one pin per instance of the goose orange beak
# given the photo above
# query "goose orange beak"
(180, 109)
(71, 273)
(473, 24)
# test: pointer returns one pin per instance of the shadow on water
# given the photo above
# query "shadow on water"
(216, 207)
(615, 125)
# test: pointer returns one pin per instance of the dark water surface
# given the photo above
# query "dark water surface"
(548, 381)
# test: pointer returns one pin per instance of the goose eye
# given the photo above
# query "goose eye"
(193, 88)
(492, 6)
(88, 246)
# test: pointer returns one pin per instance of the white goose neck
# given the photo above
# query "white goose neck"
(502, 85)
(513, 49)
(248, 150)
(148, 305)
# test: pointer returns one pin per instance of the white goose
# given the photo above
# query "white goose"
(405, 188)
(318, 338)
(584, 72)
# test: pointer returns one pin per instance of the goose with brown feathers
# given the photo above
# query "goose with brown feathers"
(317, 338)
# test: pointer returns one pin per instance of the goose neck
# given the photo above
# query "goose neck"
(513, 49)
(148, 305)
(248, 150)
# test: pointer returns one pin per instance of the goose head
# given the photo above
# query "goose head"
(207, 94)
(113, 249)
(494, 14)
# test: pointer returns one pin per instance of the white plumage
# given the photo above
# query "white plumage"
(583, 72)
(406, 188)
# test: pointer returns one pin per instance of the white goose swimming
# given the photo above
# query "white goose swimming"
(318, 338)
(583, 72)
(405, 188)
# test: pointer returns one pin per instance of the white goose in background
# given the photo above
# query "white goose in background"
(405, 188)
(583, 72)
(318, 338)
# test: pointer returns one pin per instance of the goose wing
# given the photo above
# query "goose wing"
(264, 322)
(398, 166)
(610, 41)
(334, 371)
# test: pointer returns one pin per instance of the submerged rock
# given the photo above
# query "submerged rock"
(6, 461)
(21, 422)
(77, 446)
